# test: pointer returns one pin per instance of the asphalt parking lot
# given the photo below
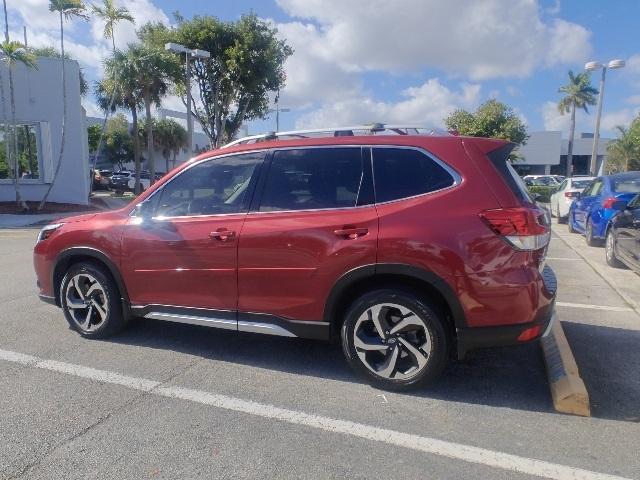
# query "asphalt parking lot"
(165, 400)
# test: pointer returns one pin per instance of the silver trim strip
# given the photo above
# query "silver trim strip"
(194, 320)
(264, 328)
(551, 322)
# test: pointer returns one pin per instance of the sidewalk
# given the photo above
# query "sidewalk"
(26, 221)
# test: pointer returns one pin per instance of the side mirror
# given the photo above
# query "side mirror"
(619, 205)
(144, 211)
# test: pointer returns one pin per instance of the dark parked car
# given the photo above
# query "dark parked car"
(119, 181)
(407, 248)
(591, 212)
(622, 246)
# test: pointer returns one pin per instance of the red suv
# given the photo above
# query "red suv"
(406, 248)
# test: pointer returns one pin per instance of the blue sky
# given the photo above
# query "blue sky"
(406, 61)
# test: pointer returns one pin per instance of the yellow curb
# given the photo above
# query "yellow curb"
(567, 388)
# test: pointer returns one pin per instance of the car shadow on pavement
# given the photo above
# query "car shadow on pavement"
(609, 363)
(504, 377)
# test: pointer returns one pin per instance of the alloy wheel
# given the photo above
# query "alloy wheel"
(392, 341)
(609, 248)
(87, 302)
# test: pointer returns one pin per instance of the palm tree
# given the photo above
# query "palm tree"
(154, 71)
(13, 53)
(110, 15)
(125, 94)
(578, 94)
(171, 137)
(67, 10)
(623, 152)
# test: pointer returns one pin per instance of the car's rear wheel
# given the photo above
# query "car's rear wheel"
(395, 339)
(560, 218)
(610, 250)
(588, 234)
(90, 301)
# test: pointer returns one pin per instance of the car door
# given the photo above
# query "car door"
(314, 222)
(586, 202)
(186, 255)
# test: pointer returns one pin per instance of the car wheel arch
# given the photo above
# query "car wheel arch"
(73, 255)
(362, 279)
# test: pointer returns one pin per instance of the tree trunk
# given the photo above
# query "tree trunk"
(166, 162)
(174, 159)
(14, 144)
(104, 122)
(64, 117)
(572, 130)
(150, 146)
(136, 148)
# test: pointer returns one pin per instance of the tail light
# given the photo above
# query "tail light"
(572, 194)
(524, 228)
(608, 203)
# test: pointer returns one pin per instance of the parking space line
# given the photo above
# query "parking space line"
(594, 307)
(562, 258)
(456, 451)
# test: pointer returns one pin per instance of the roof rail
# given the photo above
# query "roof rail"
(372, 129)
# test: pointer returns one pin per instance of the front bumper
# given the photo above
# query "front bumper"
(501, 336)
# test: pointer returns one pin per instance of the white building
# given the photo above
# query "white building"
(38, 100)
(546, 152)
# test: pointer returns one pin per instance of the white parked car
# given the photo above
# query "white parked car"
(567, 192)
(144, 181)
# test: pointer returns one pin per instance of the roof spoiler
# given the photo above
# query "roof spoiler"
(495, 146)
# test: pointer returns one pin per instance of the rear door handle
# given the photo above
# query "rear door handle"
(351, 233)
(222, 234)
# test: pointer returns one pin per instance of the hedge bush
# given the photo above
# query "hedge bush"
(544, 191)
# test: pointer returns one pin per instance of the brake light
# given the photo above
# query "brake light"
(608, 203)
(524, 228)
(530, 333)
(571, 194)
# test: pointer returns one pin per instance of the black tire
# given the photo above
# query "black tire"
(610, 251)
(570, 220)
(560, 218)
(428, 322)
(102, 314)
(588, 234)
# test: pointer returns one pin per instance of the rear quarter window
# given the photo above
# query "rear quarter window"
(404, 172)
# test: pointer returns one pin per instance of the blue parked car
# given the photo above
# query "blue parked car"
(591, 213)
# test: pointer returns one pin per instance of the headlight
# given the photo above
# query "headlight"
(47, 230)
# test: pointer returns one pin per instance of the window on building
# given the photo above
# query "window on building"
(26, 137)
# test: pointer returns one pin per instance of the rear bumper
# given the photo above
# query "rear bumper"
(501, 336)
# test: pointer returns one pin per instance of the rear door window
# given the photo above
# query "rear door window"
(313, 178)
(404, 172)
(627, 186)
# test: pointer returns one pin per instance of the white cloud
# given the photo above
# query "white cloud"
(493, 38)
(634, 100)
(310, 76)
(553, 120)
(427, 104)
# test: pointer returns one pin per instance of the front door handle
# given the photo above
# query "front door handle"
(351, 233)
(222, 234)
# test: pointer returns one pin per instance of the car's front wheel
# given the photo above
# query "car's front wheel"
(90, 301)
(610, 250)
(395, 339)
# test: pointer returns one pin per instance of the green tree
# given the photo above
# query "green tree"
(246, 64)
(50, 52)
(492, 119)
(170, 138)
(119, 90)
(578, 93)
(118, 144)
(624, 151)
(67, 10)
(14, 53)
(94, 132)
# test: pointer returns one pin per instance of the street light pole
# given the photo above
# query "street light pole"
(188, 54)
(591, 66)
(187, 57)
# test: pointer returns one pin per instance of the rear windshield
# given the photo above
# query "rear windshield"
(580, 183)
(500, 160)
(631, 185)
